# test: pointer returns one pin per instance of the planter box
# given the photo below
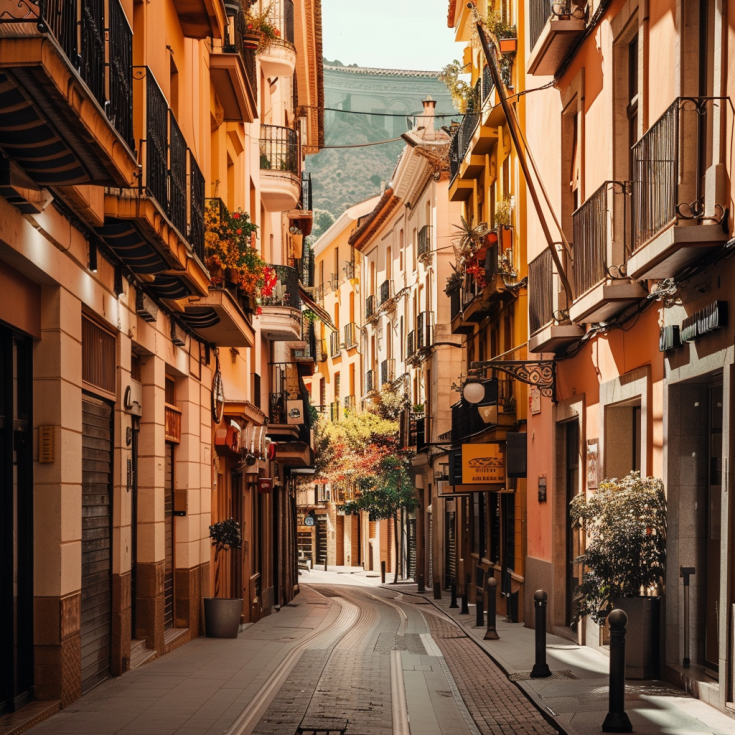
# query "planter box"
(642, 636)
(222, 617)
(508, 45)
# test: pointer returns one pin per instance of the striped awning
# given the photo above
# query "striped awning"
(170, 287)
(27, 138)
(200, 317)
(126, 240)
(318, 310)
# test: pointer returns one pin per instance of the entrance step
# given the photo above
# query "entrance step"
(139, 654)
(174, 638)
(27, 717)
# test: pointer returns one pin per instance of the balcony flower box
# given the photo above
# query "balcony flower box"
(508, 45)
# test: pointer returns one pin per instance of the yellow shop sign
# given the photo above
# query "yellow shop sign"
(483, 464)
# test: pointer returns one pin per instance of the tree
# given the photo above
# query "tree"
(225, 535)
(385, 493)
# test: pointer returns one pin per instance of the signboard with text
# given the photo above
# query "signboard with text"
(483, 464)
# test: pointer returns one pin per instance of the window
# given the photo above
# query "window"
(337, 386)
(336, 264)
(323, 392)
(98, 356)
(170, 391)
(136, 367)
(256, 389)
(632, 102)
(401, 246)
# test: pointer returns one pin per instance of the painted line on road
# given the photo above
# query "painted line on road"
(399, 707)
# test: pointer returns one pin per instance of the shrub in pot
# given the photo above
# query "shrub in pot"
(222, 615)
(625, 523)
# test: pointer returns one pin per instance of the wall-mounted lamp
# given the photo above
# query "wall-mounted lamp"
(473, 391)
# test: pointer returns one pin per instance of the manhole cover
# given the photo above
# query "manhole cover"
(526, 675)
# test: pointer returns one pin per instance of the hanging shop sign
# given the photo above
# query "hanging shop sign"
(483, 464)
(701, 323)
(310, 519)
(265, 484)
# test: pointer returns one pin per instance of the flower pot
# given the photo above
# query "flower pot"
(252, 39)
(508, 45)
(642, 636)
(222, 617)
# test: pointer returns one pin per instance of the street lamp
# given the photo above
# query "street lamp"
(474, 391)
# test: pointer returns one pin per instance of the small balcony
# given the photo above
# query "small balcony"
(544, 306)
(279, 58)
(233, 72)
(157, 227)
(387, 292)
(279, 168)
(306, 356)
(62, 128)
(351, 333)
(600, 253)
(370, 382)
(424, 244)
(350, 270)
(369, 307)
(674, 223)
(201, 18)
(335, 348)
(387, 372)
(554, 27)
(411, 346)
(280, 318)
(424, 330)
(350, 403)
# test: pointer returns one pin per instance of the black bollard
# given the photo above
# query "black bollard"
(465, 598)
(491, 634)
(453, 603)
(422, 586)
(540, 668)
(437, 590)
(382, 572)
(617, 720)
(479, 608)
(325, 563)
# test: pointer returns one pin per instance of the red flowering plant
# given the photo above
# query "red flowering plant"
(260, 22)
(227, 237)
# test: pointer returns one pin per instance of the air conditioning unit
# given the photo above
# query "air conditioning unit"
(146, 307)
(178, 335)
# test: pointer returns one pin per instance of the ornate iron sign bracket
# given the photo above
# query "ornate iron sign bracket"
(540, 373)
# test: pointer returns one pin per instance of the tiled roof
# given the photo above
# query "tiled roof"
(382, 72)
(372, 221)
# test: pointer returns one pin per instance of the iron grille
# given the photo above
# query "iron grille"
(92, 50)
(334, 412)
(334, 346)
(120, 109)
(156, 183)
(487, 83)
(176, 176)
(424, 244)
(351, 335)
(454, 154)
(350, 403)
(410, 345)
(540, 11)
(386, 291)
(61, 18)
(279, 149)
(196, 207)
(423, 330)
(387, 371)
(369, 306)
(235, 44)
(540, 291)
(370, 381)
(286, 289)
(306, 197)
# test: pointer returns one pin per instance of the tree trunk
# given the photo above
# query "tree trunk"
(395, 543)
(216, 572)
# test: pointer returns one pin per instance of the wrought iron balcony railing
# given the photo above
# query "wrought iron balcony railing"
(279, 149)
(370, 385)
(120, 71)
(334, 345)
(539, 11)
(369, 307)
(196, 207)
(350, 335)
(487, 83)
(466, 129)
(235, 44)
(350, 403)
(423, 330)
(387, 371)
(155, 174)
(386, 291)
(176, 176)
(350, 270)
(282, 17)
(410, 345)
(334, 412)
(286, 289)
(306, 192)
(540, 291)
(321, 350)
(603, 215)
(424, 238)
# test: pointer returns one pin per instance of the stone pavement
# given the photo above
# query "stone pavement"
(579, 704)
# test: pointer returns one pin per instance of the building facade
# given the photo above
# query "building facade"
(117, 337)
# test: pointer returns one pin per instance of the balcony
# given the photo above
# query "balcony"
(279, 168)
(424, 330)
(673, 225)
(546, 334)
(370, 384)
(335, 413)
(600, 252)
(321, 350)
(278, 59)
(387, 372)
(219, 318)
(554, 28)
(201, 18)
(350, 403)
(424, 244)
(369, 307)
(335, 349)
(280, 318)
(233, 72)
(386, 292)
(350, 270)
(158, 227)
(62, 129)
(411, 346)
(462, 139)
(305, 357)
(351, 333)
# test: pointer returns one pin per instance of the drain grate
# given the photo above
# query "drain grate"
(526, 676)
(322, 726)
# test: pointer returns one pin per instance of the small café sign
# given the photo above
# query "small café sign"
(701, 323)
(483, 464)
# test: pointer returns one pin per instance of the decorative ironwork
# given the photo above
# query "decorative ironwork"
(370, 381)
(386, 291)
(286, 289)
(424, 244)
(410, 346)
(176, 176)
(369, 307)
(196, 207)
(120, 108)
(279, 148)
(540, 291)
(92, 50)
(156, 141)
(306, 192)
(539, 373)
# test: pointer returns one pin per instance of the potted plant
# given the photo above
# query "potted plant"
(259, 30)
(625, 523)
(222, 615)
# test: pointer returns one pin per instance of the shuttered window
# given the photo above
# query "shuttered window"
(98, 356)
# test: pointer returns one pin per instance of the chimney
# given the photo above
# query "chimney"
(427, 119)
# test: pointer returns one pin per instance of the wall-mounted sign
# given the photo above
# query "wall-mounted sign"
(534, 400)
(483, 464)
(265, 484)
(593, 458)
(310, 519)
(542, 489)
(701, 323)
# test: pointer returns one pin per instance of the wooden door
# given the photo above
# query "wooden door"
(168, 508)
(96, 632)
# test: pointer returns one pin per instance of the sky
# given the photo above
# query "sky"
(391, 34)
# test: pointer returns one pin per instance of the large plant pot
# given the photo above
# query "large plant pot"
(642, 636)
(222, 617)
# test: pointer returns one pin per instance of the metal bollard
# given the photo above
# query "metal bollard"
(491, 634)
(325, 563)
(540, 668)
(422, 585)
(382, 572)
(437, 590)
(479, 608)
(617, 720)
(685, 573)
(465, 598)
(453, 603)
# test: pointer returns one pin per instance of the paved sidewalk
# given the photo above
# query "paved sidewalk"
(579, 704)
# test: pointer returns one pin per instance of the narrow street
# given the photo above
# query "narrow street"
(345, 656)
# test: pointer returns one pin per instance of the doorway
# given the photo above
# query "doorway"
(574, 535)
(16, 522)
(134, 526)
(168, 513)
